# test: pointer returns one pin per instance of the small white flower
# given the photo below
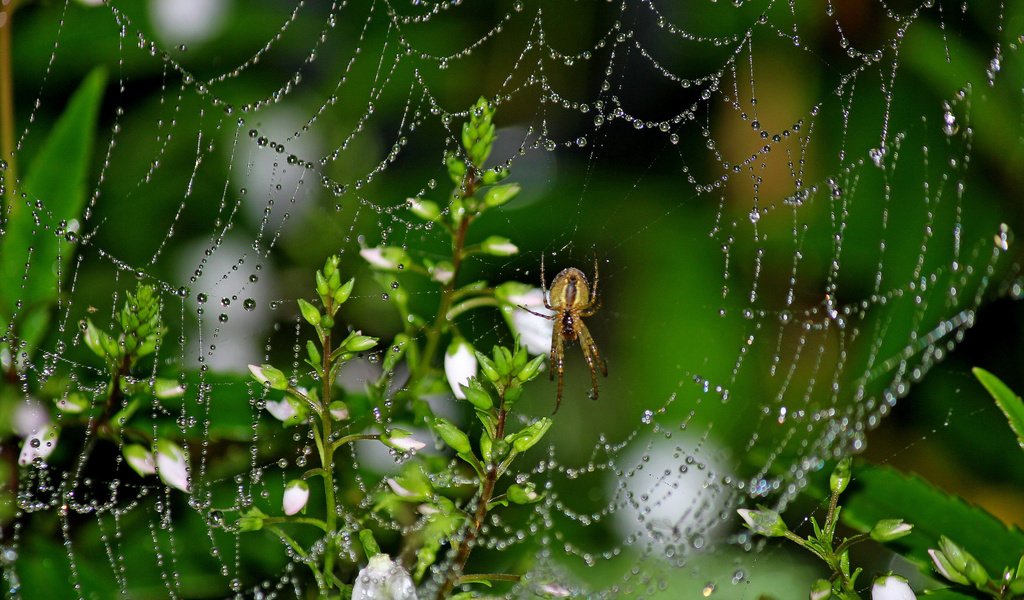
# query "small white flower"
(339, 410)
(382, 579)
(534, 332)
(167, 388)
(459, 365)
(140, 459)
(282, 410)
(258, 373)
(554, 590)
(892, 587)
(442, 273)
(403, 441)
(172, 464)
(377, 257)
(499, 246)
(296, 494)
(401, 490)
(38, 445)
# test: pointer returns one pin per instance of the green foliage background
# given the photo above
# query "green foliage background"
(621, 197)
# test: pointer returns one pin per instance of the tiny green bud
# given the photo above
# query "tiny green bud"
(840, 477)
(251, 520)
(488, 367)
(502, 360)
(477, 396)
(945, 567)
(342, 294)
(456, 168)
(763, 521)
(395, 352)
(492, 176)
(167, 388)
(501, 194)
(424, 209)
(98, 340)
(512, 395)
(139, 459)
(527, 437)
(452, 435)
(531, 369)
(887, 530)
(331, 264)
(360, 343)
(523, 494)
(309, 312)
(322, 289)
(326, 321)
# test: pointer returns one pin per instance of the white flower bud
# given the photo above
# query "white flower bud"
(172, 464)
(499, 246)
(402, 440)
(39, 444)
(384, 258)
(140, 459)
(892, 587)
(282, 410)
(382, 579)
(296, 494)
(459, 365)
(534, 332)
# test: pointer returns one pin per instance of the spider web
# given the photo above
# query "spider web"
(786, 203)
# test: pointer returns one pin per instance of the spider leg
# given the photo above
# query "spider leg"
(543, 286)
(597, 278)
(532, 312)
(557, 362)
(590, 309)
(592, 356)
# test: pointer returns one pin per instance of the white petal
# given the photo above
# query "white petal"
(383, 579)
(407, 443)
(459, 365)
(257, 372)
(375, 256)
(441, 274)
(38, 445)
(140, 459)
(892, 587)
(282, 410)
(172, 465)
(30, 418)
(554, 590)
(296, 494)
(400, 490)
(534, 332)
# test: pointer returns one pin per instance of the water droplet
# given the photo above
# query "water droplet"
(249, 304)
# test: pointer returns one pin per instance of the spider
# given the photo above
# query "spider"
(571, 300)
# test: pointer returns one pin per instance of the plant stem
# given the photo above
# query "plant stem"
(466, 546)
(7, 103)
(327, 451)
(470, 305)
(458, 253)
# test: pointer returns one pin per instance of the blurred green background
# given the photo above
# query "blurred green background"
(704, 305)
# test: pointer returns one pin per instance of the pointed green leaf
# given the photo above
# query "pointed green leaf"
(1008, 402)
(55, 186)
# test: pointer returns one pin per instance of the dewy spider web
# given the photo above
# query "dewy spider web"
(744, 173)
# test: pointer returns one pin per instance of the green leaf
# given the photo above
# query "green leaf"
(879, 492)
(56, 178)
(1008, 402)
